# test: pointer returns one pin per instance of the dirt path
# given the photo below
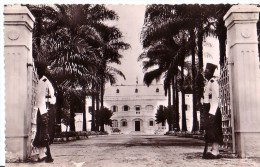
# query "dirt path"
(136, 151)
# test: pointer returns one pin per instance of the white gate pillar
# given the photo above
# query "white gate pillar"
(18, 24)
(242, 45)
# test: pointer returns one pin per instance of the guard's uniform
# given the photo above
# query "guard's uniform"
(212, 113)
(41, 140)
(41, 89)
(41, 136)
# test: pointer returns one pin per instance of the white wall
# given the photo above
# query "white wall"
(189, 112)
(88, 115)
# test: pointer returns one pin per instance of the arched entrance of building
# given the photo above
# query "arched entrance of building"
(137, 125)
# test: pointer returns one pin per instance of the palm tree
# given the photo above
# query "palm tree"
(43, 14)
(195, 21)
(109, 54)
(195, 125)
(161, 115)
(183, 41)
(93, 111)
(72, 53)
(204, 20)
(68, 43)
(198, 20)
(163, 22)
(160, 56)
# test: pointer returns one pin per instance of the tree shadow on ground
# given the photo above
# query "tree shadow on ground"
(198, 155)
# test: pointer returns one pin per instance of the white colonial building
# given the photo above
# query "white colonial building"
(134, 108)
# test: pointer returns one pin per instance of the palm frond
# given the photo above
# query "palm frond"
(152, 75)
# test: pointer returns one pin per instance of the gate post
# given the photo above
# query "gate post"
(242, 47)
(18, 25)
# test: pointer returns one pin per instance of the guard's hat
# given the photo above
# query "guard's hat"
(211, 67)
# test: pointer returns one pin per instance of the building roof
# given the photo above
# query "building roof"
(134, 90)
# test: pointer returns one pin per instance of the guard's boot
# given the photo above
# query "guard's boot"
(48, 153)
(214, 153)
(42, 156)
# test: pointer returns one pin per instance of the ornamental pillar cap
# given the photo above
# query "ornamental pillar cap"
(241, 12)
(242, 9)
(17, 13)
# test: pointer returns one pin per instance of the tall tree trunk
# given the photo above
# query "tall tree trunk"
(200, 58)
(98, 113)
(93, 122)
(169, 96)
(222, 36)
(193, 70)
(72, 117)
(102, 86)
(177, 102)
(200, 49)
(199, 94)
(174, 121)
(59, 103)
(222, 50)
(169, 105)
(84, 128)
(200, 105)
(184, 125)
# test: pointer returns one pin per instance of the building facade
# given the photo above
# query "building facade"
(134, 108)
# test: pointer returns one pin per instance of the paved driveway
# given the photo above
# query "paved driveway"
(136, 151)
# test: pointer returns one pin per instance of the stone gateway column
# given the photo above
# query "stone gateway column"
(242, 46)
(18, 25)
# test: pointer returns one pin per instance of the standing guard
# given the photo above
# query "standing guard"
(42, 138)
(212, 114)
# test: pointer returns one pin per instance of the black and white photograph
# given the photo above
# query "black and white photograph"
(130, 84)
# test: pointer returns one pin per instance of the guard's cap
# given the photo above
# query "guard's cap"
(211, 67)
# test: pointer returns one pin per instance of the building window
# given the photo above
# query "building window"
(157, 90)
(117, 91)
(123, 123)
(126, 108)
(114, 108)
(138, 108)
(149, 107)
(136, 90)
(137, 112)
(186, 107)
(114, 123)
(151, 123)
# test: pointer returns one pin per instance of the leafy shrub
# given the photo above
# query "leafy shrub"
(116, 130)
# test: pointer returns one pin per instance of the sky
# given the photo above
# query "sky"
(131, 18)
(130, 22)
